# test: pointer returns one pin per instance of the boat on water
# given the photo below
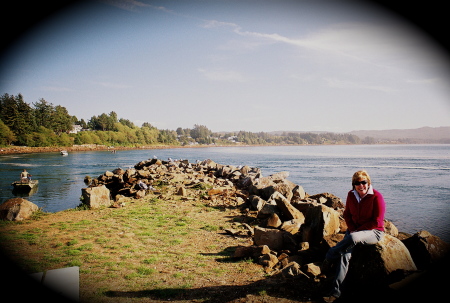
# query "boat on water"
(64, 152)
(25, 186)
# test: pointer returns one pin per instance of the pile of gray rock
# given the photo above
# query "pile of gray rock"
(291, 230)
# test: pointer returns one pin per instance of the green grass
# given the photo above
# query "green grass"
(210, 227)
(150, 260)
(148, 243)
(145, 270)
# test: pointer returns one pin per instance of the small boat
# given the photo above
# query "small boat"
(64, 152)
(24, 186)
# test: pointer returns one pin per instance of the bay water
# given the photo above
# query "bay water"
(414, 179)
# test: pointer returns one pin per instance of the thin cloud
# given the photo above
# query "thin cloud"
(215, 23)
(56, 89)
(304, 77)
(365, 43)
(238, 30)
(240, 46)
(425, 81)
(113, 85)
(223, 76)
(128, 5)
(378, 45)
(336, 83)
(136, 6)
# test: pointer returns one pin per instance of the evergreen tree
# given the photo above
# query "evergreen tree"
(82, 123)
(43, 113)
(103, 122)
(6, 135)
(180, 131)
(148, 125)
(200, 133)
(18, 116)
(127, 123)
(61, 121)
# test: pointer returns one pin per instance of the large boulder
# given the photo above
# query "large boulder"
(96, 197)
(274, 221)
(426, 248)
(258, 186)
(256, 202)
(285, 187)
(381, 264)
(288, 212)
(329, 200)
(292, 226)
(280, 176)
(266, 186)
(273, 238)
(390, 228)
(320, 221)
(253, 251)
(268, 260)
(268, 209)
(298, 193)
(17, 209)
(209, 164)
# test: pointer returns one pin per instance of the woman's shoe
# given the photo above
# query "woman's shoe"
(329, 299)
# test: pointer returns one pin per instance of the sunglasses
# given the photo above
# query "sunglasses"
(360, 182)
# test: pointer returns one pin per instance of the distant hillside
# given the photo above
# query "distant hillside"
(417, 135)
(423, 134)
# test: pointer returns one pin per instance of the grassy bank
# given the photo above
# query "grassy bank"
(153, 249)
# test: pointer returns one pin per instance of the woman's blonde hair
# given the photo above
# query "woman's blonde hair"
(361, 174)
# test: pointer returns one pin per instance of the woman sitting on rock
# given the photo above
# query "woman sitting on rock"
(364, 215)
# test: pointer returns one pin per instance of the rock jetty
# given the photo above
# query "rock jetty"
(291, 229)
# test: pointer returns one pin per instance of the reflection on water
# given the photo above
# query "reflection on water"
(24, 193)
(414, 179)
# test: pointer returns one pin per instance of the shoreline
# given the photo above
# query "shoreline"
(94, 147)
(86, 147)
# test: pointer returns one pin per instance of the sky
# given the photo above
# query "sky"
(229, 65)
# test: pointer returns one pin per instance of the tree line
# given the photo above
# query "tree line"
(44, 124)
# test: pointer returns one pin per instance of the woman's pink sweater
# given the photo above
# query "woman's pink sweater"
(368, 214)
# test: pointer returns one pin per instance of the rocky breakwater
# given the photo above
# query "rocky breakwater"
(291, 229)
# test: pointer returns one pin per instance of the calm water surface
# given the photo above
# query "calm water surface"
(414, 179)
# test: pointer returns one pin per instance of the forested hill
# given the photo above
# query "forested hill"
(43, 124)
(418, 135)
